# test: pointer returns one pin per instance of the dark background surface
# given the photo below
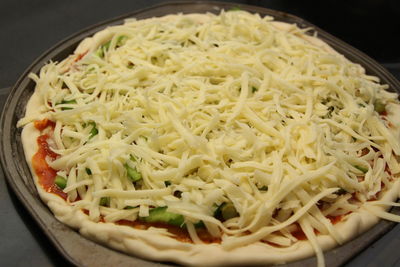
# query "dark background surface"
(28, 28)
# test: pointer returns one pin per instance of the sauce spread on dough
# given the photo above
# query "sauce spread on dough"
(80, 56)
(45, 173)
(335, 219)
(180, 234)
(300, 235)
(43, 124)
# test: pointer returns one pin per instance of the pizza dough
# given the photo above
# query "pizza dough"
(202, 112)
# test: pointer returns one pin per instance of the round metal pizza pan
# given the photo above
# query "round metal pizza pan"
(80, 251)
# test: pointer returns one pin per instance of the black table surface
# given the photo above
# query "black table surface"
(28, 28)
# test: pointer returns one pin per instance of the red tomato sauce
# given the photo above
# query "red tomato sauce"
(80, 56)
(299, 234)
(43, 124)
(335, 219)
(181, 234)
(45, 173)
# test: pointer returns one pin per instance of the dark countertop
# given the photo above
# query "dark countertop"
(31, 27)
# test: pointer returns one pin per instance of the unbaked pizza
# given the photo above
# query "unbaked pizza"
(208, 139)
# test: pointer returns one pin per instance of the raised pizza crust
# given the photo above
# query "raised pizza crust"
(155, 244)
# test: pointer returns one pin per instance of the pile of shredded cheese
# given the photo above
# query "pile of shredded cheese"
(232, 108)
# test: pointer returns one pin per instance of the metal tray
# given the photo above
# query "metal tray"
(83, 252)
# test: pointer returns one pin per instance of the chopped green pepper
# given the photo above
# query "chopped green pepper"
(133, 174)
(228, 211)
(121, 40)
(100, 52)
(73, 101)
(106, 46)
(60, 181)
(160, 214)
(264, 188)
(363, 169)
(167, 183)
(102, 49)
(225, 211)
(254, 89)
(105, 201)
(132, 158)
(379, 107)
(94, 131)
(88, 171)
